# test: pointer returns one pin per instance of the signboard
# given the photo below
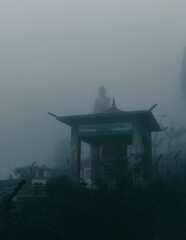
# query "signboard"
(105, 127)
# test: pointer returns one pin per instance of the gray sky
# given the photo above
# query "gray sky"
(55, 54)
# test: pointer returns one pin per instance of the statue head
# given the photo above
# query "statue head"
(102, 91)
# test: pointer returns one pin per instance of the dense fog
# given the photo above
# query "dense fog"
(54, 55)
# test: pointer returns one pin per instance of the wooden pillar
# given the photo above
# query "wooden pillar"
(142, 149)
(75, 155)
(137, 140)
(94, 162)
(147, 156)
(137, 147)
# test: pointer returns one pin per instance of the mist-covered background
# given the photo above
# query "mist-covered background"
(54, 55)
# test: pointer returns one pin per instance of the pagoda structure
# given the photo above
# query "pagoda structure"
(109, 133)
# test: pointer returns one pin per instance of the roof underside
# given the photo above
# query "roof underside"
(144, 116)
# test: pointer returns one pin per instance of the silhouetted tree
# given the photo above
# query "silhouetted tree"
(26, 172)
(173, 134)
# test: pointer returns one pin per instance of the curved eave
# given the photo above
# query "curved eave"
(155, 127)
(147, 118)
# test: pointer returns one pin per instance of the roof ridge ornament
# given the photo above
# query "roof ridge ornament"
(155, 105)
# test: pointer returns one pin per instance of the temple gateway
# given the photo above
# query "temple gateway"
(110, 133)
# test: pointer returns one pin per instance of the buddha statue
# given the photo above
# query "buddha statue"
(103, 102)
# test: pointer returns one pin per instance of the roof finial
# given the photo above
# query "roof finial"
(113, 102)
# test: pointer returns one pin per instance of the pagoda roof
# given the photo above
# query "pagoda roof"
(113, 115)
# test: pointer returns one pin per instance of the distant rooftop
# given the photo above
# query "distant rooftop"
(44, 167)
